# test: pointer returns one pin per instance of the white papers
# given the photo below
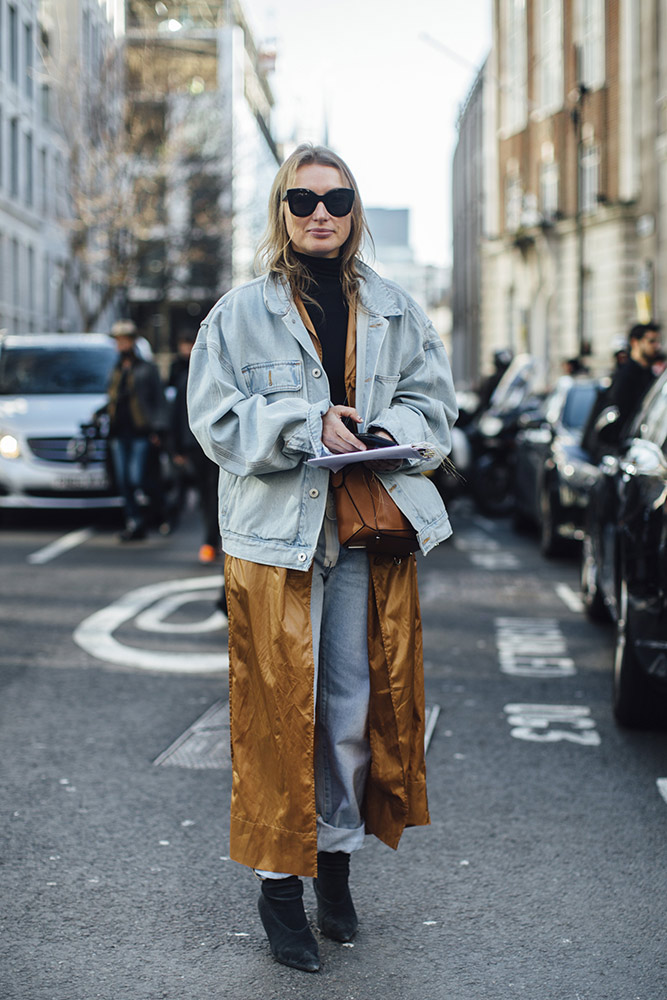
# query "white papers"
(390, 453)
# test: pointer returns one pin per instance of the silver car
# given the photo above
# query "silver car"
(51, 384)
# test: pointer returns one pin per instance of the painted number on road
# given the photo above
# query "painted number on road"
(532, 647)
(553, 723)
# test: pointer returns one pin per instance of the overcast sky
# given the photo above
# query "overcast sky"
(389, 96)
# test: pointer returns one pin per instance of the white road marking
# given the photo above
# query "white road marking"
(484, 523)
(153, 618)
(485, 552)
(535, 722)
(431, 719)
(532, 647)
(60, 545)
(662, 787)
(95, 634)
(494, 560)
(569, 598)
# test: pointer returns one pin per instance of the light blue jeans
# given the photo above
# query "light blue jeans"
(339, 621)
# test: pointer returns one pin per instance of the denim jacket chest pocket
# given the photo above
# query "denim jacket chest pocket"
(273, 376)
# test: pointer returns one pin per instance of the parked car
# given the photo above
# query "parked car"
(624, 562)
(552, 472)
(51, 456)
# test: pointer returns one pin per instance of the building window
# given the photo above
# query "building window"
(589, 179)
(16, 288)
(28, 60)
(587, 308)
(151, 263)
(550, 54)
(44, 177)
(205, 256)
(514, 84)
(549, 190)
(14, 157)
(85, 37)
(46, 290)
(13, 44)
(510, 318)
(513, 203)
(60, 190)
(590, 32)
(29, 170)
(45, 102)
(30, 302)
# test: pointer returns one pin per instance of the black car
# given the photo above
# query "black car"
(552, 473)
(624, 562)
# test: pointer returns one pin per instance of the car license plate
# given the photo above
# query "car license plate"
(87, 479)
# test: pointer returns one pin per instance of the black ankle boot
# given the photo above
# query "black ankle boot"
(290, 938)
(336, 917)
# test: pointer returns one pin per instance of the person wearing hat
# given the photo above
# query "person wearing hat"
(137, 416)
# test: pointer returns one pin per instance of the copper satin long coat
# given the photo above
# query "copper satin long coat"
(273, 818)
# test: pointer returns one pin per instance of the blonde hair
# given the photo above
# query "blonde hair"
(276, 254)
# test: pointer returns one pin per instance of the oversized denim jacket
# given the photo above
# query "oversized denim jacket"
(256, 396)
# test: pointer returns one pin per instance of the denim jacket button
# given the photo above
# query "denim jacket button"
(302, 557)
(317, 372)
(313, 493)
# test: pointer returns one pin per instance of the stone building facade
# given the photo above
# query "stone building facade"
(572, 249)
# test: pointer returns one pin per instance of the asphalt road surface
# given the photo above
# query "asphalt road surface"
(542, 875)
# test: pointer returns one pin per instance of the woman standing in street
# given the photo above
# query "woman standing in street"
(326, 677)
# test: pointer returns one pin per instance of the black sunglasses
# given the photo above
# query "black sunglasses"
(302, 202)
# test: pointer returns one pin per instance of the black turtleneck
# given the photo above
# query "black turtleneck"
(329, 317)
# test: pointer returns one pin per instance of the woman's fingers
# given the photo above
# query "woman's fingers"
(335, 435)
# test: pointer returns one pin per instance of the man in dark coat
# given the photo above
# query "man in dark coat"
(630, 381)
(137, 417)
(188, 453)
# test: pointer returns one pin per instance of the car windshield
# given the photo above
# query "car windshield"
(578, 405)
(34, 371)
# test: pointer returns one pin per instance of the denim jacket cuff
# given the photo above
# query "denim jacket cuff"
(308, 438)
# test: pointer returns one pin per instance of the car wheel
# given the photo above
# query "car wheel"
(594, 603)
(632, 702)
(551, 544)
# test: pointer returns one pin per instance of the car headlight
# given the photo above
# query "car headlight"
(490, 426)
(9, 446)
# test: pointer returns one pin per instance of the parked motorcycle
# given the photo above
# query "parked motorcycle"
(492, 437)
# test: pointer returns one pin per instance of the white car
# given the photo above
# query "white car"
(51, 384)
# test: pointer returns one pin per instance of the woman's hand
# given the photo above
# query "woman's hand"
(391, 464)
(335, 435)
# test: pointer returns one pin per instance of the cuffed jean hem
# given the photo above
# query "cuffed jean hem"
(329, 839)
(333, 838)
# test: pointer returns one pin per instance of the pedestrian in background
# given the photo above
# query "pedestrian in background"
(632, 380)
(191, 462)
(326, 675)
(137, 418)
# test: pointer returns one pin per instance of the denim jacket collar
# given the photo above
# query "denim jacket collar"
(377, 297)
